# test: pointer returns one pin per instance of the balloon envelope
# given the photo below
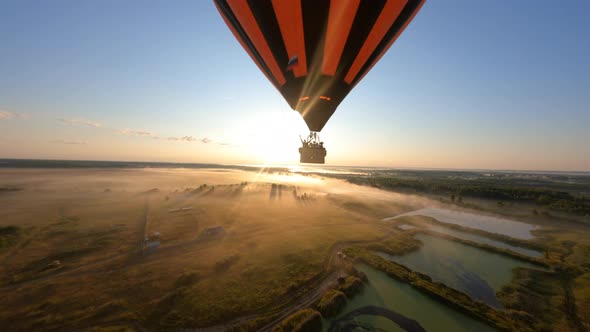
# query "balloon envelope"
(315, 51)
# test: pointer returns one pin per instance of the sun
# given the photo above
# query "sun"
(277, 151)
(275, 140)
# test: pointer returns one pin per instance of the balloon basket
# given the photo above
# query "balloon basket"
(312, 150)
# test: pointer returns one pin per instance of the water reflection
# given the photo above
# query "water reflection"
(484, 240)
(489, 224)
(383, 291)
(476, 272)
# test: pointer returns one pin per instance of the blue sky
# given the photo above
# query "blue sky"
(470, 84)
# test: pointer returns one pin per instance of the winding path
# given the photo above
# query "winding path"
(332, 263)
(298, 299)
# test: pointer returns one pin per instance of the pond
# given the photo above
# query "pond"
(394, 295)
(489, 224)
(484, 240)
(474, 271)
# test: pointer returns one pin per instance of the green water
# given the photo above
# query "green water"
(400, 297)
(474, 271)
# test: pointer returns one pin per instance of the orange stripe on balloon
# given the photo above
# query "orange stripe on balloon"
(233, 30)
(340, 21)
(290, 19)
(393, 39)
(244, 14)
(388, 15)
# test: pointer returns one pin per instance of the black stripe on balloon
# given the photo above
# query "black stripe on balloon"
(366, 16)
(403, 17)
(315, 25)
(231, 18)
(264, 14)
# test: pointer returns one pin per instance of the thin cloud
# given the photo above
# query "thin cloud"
(80, 122)
(131, 132)
(189, 139)
(60, 141)
(126, 131)
(7, 115)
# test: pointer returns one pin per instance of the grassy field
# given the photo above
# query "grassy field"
(277, 231)
(232, 243)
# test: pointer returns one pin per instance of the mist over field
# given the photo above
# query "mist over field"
(276, 229)
(294, 166)
(233, 247)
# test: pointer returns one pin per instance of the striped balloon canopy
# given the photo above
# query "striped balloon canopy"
(315, 51)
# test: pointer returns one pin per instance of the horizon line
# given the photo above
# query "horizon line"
(505, 170)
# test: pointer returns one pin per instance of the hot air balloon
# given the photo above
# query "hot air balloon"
(315, 51)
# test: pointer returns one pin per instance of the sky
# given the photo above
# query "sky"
(469, 84)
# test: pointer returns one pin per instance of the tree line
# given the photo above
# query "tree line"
(552, 199)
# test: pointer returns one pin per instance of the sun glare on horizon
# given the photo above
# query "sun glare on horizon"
(274, 137)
